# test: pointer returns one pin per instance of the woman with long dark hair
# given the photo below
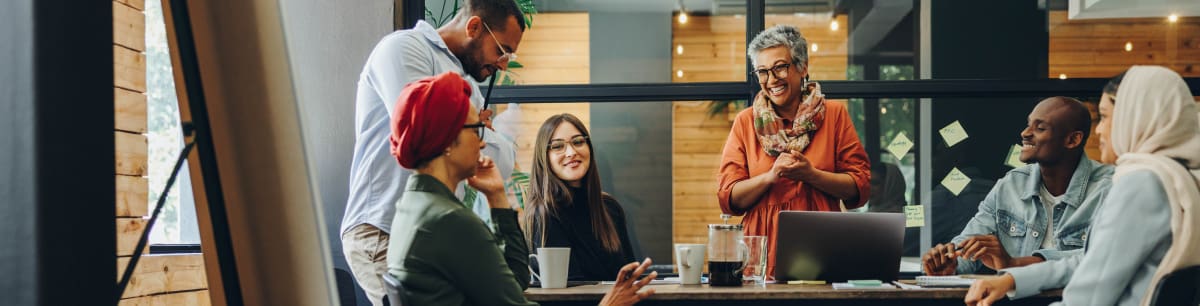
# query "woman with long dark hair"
(565, 206)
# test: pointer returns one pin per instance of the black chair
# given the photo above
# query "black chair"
(1181, 287)
(395, 291)
(345, 286)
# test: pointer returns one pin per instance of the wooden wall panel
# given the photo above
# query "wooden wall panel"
(129, 230)
(714, 50)
(1095, 48)
(130, 111)
(186, 298)
(176, 279)
(132, 196)
(129, 27)
(158, 274)
(131, 153)
(140, 5)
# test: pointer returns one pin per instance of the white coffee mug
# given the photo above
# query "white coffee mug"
(689, 260)
(553, 263)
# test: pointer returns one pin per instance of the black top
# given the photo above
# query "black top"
(573, 228)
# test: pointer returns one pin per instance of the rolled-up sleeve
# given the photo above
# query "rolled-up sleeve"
(851, 158)
(734, 167)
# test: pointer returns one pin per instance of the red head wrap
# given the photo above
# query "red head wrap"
(428, 117)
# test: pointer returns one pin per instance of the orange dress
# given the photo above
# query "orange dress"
(834, 148)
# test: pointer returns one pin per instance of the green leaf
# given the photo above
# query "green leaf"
(515, 64)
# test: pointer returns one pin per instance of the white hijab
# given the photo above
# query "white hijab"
(1155, 127)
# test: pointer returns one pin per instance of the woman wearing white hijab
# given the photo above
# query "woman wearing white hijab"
(1152, 131)
(1155, 136)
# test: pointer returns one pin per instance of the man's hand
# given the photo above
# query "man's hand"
(988, 250)
(940, 260)
(625, 290)
(987, 291)
(486, 117)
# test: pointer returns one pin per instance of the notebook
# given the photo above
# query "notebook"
(944, 281)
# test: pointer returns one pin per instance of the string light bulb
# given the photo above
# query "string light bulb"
(1062, 76)
(1173, 18)
(683, 17)
(814, 47)
(679, 49)
(679, 73)
(833, 25)
(1128, 46)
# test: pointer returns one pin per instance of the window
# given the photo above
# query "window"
(177, 222)
(658, 93)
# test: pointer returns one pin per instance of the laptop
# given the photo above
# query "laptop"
(838, 246)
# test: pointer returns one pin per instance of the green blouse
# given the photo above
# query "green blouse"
(444, 254)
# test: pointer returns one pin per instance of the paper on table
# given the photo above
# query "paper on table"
(900, 146)
(914, 215)
(665, 281)
(1014, 157)
(907, 286)
(849, 286)
(944, 281)
(953, 133)
(956, 181)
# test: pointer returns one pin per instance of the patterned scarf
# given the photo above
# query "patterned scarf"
(771, 130)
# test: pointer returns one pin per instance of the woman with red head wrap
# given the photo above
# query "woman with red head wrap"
(439, 250)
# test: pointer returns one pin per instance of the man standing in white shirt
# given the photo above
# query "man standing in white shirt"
(479, 41)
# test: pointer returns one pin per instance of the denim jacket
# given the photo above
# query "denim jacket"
(1014, 213)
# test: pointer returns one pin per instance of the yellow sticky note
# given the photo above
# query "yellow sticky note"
(956, 181)
(914, 215)
(1014, 157)
(953, 133)
(900, 146)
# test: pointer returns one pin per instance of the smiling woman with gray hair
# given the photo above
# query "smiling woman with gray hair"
(792, 150)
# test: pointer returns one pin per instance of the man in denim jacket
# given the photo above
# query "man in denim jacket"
(1038, 212)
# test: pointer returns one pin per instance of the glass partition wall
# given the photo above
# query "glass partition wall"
(659, 83)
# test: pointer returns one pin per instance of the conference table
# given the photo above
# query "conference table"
(773, 294)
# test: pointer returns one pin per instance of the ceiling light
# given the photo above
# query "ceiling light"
(814, 47)
(678, 49)
(1128, 46)
(683, 17)
(679, 73)
(1173, 18)
(833, 25)
(1062, 76)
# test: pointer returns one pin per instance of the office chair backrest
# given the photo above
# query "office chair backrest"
(345, 286)
(1181, 287)
(395, 291)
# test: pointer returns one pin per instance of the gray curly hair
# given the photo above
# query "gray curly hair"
(780, 35)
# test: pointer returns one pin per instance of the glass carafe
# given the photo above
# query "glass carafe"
(726, 254)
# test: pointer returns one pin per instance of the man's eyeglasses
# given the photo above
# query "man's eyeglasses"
(559, 145)
(505, 56)
(479, 127)
(779, 71)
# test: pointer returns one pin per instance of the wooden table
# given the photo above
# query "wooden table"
(772, 294)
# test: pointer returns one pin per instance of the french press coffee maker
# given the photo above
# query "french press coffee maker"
(727, 253)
